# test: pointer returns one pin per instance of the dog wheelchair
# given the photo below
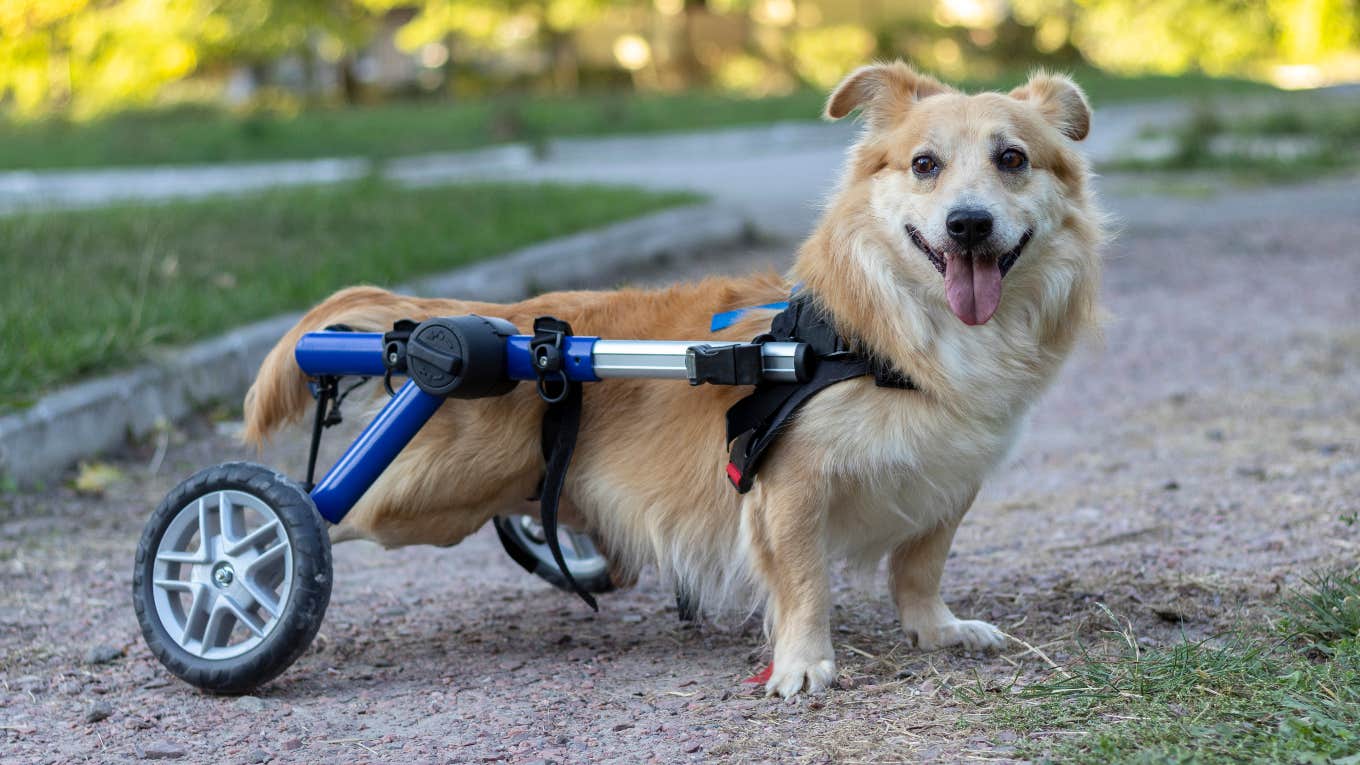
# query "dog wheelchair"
(233, 570)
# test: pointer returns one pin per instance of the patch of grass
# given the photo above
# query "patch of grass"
(1289, 694)
(1328, 610)
(1295, 141)
(197, 134)
(91, 291)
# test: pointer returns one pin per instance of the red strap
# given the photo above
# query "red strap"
(762, 677)
(733, 474)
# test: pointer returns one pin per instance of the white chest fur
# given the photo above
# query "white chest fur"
(899, 462)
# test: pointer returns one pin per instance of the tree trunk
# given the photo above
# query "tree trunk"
(692, 72)
(350, 87)
(566, 68)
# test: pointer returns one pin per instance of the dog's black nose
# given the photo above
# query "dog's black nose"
(969, 226)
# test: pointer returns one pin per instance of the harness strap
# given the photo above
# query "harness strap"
(561, 423)
(755, 422)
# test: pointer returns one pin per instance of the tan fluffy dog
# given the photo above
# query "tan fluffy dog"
(943, 195)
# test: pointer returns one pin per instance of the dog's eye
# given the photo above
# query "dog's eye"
(924, 164)
(1012, 159)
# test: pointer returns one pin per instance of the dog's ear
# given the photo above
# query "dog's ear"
(1060, 101)
(884, 91)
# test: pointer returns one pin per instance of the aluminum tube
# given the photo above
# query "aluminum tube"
(667, 359)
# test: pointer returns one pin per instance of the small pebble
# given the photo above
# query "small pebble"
(291, 744)
(100, 710)
(163, 750)
(258, 755)
(250, 704)
(103, 654)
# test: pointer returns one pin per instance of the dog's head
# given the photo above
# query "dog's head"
(964, 186)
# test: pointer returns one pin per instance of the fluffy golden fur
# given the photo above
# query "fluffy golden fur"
(862, 472)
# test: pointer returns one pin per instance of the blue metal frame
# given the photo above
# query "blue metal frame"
(375, 448)
(580, 364)
(340, 354)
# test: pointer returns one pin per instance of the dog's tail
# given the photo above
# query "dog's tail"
(279, 395)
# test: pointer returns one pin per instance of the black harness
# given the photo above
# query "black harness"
(753, 423)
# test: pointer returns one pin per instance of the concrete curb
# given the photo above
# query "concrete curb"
(93, 417)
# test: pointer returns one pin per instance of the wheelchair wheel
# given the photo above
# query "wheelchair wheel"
(524, 540)
(233, 577)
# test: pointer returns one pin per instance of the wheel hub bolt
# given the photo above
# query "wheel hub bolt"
(222, 574)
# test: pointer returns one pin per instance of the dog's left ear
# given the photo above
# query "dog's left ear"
(1060, 101)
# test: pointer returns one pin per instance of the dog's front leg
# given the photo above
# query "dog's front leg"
(788, 523)
(914, 576)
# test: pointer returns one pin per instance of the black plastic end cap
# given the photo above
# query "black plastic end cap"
(460, 356)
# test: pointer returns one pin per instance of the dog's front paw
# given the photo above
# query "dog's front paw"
(789, 677)
(969, 633)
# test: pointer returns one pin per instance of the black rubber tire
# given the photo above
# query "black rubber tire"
(309, 595)
(538, 562)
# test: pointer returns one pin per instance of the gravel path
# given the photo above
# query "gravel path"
(1197, 463)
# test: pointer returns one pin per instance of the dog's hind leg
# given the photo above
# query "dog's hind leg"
(788, 540)
(914, 576)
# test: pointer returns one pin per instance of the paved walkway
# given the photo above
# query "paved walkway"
(768, 170)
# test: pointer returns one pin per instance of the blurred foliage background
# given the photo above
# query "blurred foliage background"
(81, 59)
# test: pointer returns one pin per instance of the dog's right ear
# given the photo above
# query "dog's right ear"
(884, 91)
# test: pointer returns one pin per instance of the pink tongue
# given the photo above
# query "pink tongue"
(973, 287)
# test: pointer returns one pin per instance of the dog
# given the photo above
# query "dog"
(962, 245)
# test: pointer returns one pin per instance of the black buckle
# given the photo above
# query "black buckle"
(394, 351)
(725, 364)
(546, 350)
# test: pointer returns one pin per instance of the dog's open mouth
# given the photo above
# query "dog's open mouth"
(972, 280)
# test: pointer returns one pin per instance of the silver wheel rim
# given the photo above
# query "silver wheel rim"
(222, 575)
(578, 549)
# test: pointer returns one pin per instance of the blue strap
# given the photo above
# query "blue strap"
(728, 318)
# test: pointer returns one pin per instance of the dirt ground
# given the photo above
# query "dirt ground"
(1183, 473)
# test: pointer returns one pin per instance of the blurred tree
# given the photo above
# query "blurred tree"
(86, 56)
(1216, 36)
(83, 57)
(498, 27)
(255, 32)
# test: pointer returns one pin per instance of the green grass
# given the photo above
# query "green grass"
(1287, 692)
(1331, 132)
(203, 135)
(91, 291)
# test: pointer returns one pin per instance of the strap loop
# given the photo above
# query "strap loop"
(561, 423)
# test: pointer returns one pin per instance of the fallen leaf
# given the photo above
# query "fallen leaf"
(97, 477)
